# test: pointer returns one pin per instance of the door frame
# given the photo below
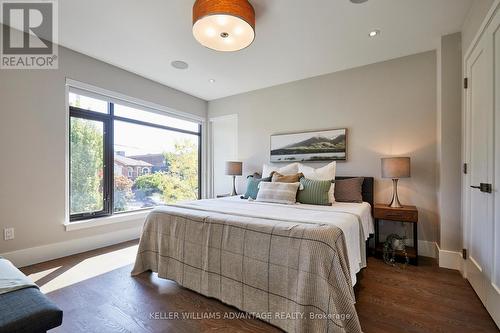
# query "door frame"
(491, 295)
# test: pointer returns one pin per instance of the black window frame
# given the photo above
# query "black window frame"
(108, 120)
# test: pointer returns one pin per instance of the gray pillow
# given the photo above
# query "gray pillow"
(349, 190)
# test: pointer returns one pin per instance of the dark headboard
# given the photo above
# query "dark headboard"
(367, 189)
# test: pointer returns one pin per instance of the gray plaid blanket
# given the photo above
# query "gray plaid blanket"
(293, 275)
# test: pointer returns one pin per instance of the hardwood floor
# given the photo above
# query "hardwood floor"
(97, 294)
(422, 298)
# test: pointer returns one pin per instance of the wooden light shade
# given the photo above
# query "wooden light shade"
(224, 25)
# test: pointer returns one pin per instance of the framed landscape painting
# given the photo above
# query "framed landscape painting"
(329, 145)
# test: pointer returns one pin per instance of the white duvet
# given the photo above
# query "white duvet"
(354, 219)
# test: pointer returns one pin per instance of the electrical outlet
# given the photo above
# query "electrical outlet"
(8, 233)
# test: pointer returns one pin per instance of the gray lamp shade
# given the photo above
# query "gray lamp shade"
(396, 167)
(234, 168)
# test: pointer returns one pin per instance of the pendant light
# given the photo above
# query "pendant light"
(224, 25)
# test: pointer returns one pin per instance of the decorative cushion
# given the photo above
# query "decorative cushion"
(283, 193)
(349, 190)
(289, 169)
(314, 192)
(277, 177)
(324, 173)
(253, 186)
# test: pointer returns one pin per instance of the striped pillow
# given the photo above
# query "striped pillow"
(314, 192)
(324, 173)
(283, 193)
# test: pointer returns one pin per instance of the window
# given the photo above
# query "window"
(88, 103)
(126, 158)
(87, 165)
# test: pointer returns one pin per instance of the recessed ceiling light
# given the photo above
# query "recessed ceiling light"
(358, 1)
(374, 33)
(179, 64)
(211, 81)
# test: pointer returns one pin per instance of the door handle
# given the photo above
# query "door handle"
(483, 187)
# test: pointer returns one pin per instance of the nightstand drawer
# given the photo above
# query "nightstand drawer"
(396, 215)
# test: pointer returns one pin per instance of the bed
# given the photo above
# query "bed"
(293, 266)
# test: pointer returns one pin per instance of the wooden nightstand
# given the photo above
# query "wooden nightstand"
(406, 214)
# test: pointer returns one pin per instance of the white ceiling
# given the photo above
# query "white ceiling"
(295, 39)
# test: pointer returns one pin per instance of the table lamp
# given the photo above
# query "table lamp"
(234, 169)
(395, 168)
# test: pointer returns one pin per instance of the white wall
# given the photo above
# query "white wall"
(32, 144)
(389, 109)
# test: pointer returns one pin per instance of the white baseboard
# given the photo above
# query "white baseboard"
(493, 302)
(450, 259)
(43, 253)
(427, 249)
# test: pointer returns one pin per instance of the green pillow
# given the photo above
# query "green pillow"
(314, 192)
(253, 186)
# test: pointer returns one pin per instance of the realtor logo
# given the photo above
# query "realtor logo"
(29, 34)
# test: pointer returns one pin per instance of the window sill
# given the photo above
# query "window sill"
(100, 221)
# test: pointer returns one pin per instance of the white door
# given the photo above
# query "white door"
(482, 223)
(224, 143)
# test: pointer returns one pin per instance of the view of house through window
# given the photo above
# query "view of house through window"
(153, 166)
(126, 158)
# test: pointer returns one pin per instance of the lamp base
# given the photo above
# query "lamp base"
(395, 199)
(233, 192)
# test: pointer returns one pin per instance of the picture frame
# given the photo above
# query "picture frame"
(310, 146)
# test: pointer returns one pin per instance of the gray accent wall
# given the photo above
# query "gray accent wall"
(389, 108)
(32, 144)
(450, 86)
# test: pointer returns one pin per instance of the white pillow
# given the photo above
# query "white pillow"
(283, 193)
(289, 169)
(324, 173)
